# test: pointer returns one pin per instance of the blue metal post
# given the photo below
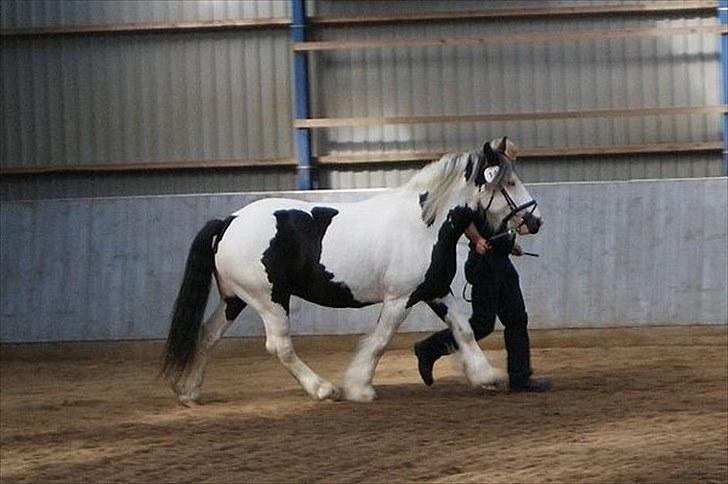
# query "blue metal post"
(723, 14)
(301, 90)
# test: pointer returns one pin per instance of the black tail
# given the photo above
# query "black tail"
(189, 308)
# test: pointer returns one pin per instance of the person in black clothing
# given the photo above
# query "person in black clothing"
(496, 291)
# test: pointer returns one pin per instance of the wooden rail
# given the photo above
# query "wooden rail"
(149, 166)
(145, 27)
(500, 13)
(525, 152)
(674, 6)
(352, 159)
(533, 116)
(530, 37)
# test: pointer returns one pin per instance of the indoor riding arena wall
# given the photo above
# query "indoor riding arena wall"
(612, 254)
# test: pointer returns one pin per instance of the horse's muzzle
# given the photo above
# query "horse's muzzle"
(532, 222)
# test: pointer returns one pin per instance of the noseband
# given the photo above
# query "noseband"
(515, 209)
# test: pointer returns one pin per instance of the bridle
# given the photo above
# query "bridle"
(515, 209)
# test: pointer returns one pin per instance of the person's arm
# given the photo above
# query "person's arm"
(480, 244)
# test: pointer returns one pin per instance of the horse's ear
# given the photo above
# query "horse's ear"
(503, 144)
(491, 158)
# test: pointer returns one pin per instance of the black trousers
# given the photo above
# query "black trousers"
(496, 291)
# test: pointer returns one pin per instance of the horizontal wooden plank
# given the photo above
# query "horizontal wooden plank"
(149, 166)
(528, 37)
(524, 152)
(245, 23)
(501, 13)
(532, 116)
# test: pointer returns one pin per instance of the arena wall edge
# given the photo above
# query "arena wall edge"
(612, 254)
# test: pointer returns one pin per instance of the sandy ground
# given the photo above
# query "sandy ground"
(621, 414)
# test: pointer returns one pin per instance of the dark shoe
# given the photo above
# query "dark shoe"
(425, 362)
(535, 385)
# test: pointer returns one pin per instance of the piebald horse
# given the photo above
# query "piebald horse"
(397, 248)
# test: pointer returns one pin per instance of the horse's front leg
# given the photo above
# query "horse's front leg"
(359, 375)
(475, 364)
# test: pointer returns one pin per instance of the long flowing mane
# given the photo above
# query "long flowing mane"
(435, 181)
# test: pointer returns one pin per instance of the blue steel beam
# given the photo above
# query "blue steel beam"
(723, 14)
(301, 94)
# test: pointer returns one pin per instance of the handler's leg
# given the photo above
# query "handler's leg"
(359, 375)
(513, 315)
(478, 370)
(482, 321)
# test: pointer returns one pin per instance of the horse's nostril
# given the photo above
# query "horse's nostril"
(534, 224)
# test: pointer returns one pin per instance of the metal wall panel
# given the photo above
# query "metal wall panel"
(546, 169)
(612, 254)
(45, 13)
(555, 76)
(162, 97)
(227, 95)
(101, 184)
(542, 77)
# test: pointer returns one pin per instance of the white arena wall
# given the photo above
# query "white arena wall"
(650, 252)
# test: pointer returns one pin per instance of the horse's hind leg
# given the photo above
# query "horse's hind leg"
(359, 375)
(278, 342)
(188, 386)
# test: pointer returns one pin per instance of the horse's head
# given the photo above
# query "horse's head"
(505, 200)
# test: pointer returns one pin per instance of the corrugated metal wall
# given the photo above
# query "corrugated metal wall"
(187, 96)
(539, 77)
(45, 13)
(548, 169)
(147, 97)
(222, 95)
(110, 268)
(103, 184)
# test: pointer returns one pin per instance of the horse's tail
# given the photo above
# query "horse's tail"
(189, 308)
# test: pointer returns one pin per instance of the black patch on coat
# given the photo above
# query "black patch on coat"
(443, 260)
(293, 260)
(233, 306)
(423, 199)
(439, 308)
(218, 237)
(480, 168)
(469, 169)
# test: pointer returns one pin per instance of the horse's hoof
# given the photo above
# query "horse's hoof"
(328, 391)
(488, 378)
(189, 400)
(497, 376)
(362, 395)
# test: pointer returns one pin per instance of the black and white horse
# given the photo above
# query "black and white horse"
(398, 248)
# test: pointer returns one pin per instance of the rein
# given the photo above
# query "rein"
(514, 210)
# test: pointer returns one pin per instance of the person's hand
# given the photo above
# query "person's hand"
(481, 246)
(517, 250)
